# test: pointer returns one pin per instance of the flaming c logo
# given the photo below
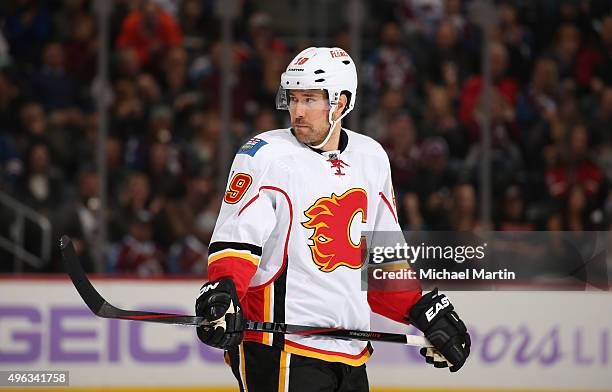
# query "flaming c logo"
(331, 219)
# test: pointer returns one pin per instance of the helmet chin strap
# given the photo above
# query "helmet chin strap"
(332, 125)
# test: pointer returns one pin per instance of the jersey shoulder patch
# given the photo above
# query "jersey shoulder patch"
(252, 146)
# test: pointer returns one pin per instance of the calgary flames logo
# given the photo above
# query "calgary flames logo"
(331, 219)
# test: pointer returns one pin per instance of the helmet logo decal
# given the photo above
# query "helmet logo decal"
(301, 60)
(338, 53)
(331, 219)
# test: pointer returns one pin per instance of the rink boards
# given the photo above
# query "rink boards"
(521, 340)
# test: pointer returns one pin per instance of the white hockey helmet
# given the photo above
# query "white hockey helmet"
(329, 69)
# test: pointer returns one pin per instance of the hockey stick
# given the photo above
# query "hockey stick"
(101, 308)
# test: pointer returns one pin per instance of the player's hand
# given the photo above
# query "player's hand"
(433, 356)
(218, 303)
(435, 316)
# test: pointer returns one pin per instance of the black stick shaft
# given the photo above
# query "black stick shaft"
(102, 308)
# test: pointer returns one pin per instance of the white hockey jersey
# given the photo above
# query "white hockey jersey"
(289, 235)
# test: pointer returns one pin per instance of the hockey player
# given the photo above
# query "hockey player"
(286, 246)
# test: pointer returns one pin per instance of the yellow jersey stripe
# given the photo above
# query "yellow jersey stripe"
(267, 289)
(328, 357)
(229, 253)
(282, 372)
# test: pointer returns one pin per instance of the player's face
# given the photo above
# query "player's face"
(309, 111)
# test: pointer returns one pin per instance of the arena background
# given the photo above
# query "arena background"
(118, 121)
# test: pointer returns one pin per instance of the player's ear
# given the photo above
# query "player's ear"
(342, 102)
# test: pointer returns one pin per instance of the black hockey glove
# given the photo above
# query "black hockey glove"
(434, 315)
(218, 303)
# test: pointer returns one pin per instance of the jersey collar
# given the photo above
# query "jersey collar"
(341, 144)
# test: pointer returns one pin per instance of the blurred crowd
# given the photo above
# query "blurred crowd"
(420, 95)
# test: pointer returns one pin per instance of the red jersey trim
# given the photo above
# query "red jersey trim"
(384, 198)
(283, 266)
(248, 203)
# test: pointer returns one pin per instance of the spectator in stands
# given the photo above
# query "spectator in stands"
(565, 52)
(189, 255)
(560, 126)
(608, 212)
(138, 254)
(265, 119)
(447, 62)
(68, 15)
(196, 25)
(540, 98)
(412, 219)
(52, 85)
(271, 67)
(81, 48)
(390, 66)
(33, 124)
(602, 134)
(244, 85)
(183, 212)
(202, 150)
(574, 213)
(441, 120)
(27, 28)
(462, 211)
(390, 105)
(5, 56)
(53, 131)
(162, 168)
(10, 97)
(128, 117)
(506, 158)
(602, 121)
(149, 89)
(150, 31)
(570, 113)
(602, 76)
(11, 165)
(604, 161)
(177, 92)
(573, 12)
(134, 196)
(403, 152)
(268, 55)
(261, 35)
(435, 180)
(126, 64)
(41, 185)
(513, 211)
(574, 167)
(453, 11)
(79, 217)
(505, 90)
(517, 39)
(115, 169)
(163, 154)
(419, 17)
